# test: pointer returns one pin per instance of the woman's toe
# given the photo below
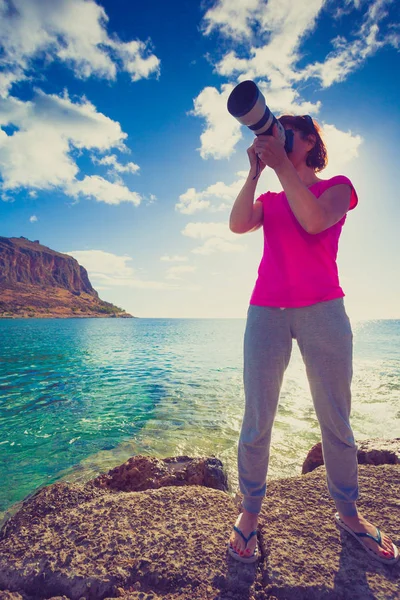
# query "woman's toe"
(388, 544)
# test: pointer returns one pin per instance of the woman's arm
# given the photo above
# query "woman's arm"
(246, 215)
(314, 214)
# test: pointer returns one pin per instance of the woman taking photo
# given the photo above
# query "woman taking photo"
(297, 295)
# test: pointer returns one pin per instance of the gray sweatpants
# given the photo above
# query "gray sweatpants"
(325, 339)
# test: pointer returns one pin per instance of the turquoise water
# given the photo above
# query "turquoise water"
(79, 396)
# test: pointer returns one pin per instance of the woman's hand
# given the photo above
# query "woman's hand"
(251, 153)
(270, 150)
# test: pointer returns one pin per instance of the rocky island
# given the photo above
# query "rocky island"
(36, 281)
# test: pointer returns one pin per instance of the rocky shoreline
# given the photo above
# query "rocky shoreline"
(155, 529)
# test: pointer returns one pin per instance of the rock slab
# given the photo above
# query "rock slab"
(75, 541)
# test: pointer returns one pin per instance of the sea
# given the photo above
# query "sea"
(80, 396)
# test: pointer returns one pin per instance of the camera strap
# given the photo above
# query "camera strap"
(258, 168)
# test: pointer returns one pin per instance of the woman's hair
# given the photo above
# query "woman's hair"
(317, 158)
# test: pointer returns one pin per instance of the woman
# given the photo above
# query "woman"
(297, 295)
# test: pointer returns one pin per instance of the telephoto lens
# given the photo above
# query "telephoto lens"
(247, 104)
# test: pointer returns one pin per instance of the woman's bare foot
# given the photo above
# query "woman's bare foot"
(246, 522)
(360, 524)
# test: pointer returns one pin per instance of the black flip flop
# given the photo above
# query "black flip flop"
(235, 555)
(377, 539)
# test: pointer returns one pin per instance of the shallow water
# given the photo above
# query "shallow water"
(79, 396)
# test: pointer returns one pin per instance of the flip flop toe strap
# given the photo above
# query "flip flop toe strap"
(246, 539)
(377, 539)
(240, 533)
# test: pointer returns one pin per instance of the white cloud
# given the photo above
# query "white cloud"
(33, 219)
(202, 231)
(102, 190)
(342, 146)
(349, 56)
(39, 153)
(136, 59)
(222, 131)
(271, 33)
(110, 270)
(217, 236)
(213, 245)
(176, 258)
(106, 263)
(176, 272)
(150, 199)
(232, 17)
(50, 129)
(342, 11)
(192, 201)
(8, 78)
(71, 31)
(116, 167)
(282, 25)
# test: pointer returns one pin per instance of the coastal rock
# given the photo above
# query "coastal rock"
(23, 261)
(370, 452)
(146, 472)
(170, 543)
(379, 452)
(313, 459)
(36, 281)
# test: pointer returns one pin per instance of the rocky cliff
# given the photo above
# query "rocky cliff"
(36, 281)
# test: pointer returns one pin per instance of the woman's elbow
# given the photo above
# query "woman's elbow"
(315, 227)
(313, 230)
(235, 228)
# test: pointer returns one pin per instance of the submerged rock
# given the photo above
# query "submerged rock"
(370, 452)
(75, 541)
(146, 472)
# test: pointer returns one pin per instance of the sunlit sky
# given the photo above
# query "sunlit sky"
(116, 146)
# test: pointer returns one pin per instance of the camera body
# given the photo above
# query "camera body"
(247, 104)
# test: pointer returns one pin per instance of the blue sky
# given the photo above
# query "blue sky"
(116, 146)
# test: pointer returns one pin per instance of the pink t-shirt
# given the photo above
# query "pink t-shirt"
(298, 268)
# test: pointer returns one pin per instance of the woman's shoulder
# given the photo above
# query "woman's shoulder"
(266, 196)
(337, 180)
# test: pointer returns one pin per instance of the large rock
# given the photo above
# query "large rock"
(84, 541)
(370, 452)
(146, 472)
